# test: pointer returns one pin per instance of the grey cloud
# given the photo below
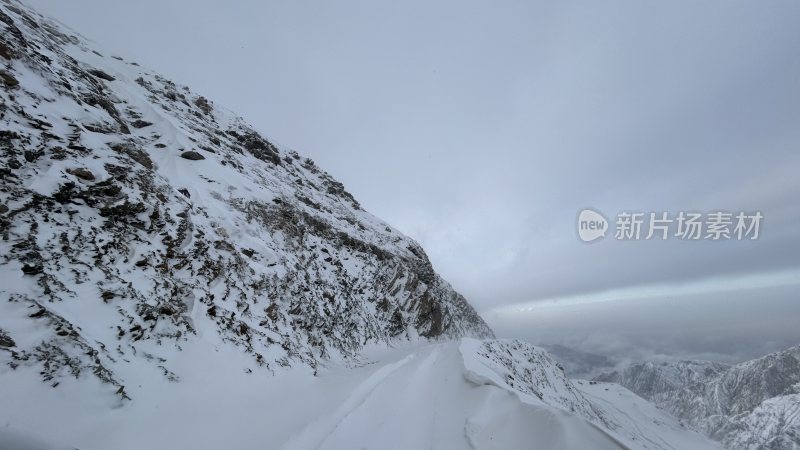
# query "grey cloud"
(726, 327)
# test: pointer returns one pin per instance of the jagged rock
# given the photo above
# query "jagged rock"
(139, 123)
(32, 156)
(8, 136)
(167, 310)
(272, 312)
(99, 128)
(126, 209)
(58, 153)
(192, 155)
(100, 74)
(34, 269)
(5, 52)
(6, 341)
(8, 79)
(135, 153)
(258, 146)
(99, 100)
(40, 313)
(204, 105)
(82, 173)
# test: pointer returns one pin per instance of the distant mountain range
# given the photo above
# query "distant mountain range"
(751, 405)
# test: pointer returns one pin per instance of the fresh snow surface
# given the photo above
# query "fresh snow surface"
(455, 395)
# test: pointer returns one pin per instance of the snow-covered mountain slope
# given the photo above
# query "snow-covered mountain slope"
(774, 424)
(645, 425)
(752, 405)
(137, 216)
(454, 395)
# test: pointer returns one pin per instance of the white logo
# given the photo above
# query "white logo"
(688, 226)
(591, 225)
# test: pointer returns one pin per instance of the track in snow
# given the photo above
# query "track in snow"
(421, 400)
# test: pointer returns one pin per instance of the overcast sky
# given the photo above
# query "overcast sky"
(482, 128)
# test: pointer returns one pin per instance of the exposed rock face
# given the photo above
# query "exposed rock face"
(192, 156)
(8, 79)
(146, 250)
(5, 340)
(752, 405)
(83, 174)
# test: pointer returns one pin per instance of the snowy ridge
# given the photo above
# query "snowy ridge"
(527, 371)
(751, 405)
(137, 216)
